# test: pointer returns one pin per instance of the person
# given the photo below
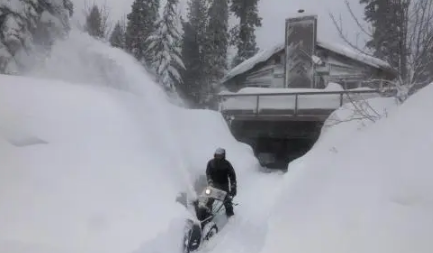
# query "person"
(218, 173)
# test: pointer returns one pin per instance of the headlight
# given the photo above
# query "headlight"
(207, 191)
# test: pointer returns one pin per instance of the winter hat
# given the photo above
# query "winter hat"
(220, 151)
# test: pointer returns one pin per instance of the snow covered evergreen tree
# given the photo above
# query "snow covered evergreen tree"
(217, 38)
(195, 86)
(94, 23)
(164, 47)
(141, 25)
(389, 20)
(192, 74)
(243, 36)
(28, 26)
(215, 49)
(117, 38)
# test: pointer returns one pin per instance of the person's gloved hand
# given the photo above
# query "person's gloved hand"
(210, 183)
(233, 191)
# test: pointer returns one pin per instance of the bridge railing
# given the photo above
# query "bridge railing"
(293, 103)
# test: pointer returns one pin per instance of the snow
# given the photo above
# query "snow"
(110, 162)
(316, 59)
(15, 6)
(264, 55)
(364, 187)
(47, 17)
(103, 155)
(305, 101)
(261, 56)
(351, 53)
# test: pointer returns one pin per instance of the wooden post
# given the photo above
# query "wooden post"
(341, 99)
(296, 103)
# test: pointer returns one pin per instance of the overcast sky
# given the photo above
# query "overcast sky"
(274, 13)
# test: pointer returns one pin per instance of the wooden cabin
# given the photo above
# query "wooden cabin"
(329, 62)
(283, 124)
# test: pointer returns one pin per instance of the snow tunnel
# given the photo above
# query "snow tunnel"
(277, 143)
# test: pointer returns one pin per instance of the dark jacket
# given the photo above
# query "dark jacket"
(219, 172)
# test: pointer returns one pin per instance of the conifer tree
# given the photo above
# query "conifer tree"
(243, 36)
(117, 38)
(389, 19)
(164, 48)
(195, 85)
(27, 24)
(217, 38)
(94, 25)
(141, 24)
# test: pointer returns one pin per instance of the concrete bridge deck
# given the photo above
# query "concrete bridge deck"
(294, 106)
(281, 127)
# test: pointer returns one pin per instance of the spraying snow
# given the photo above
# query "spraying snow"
(112, 161)
(95, 169)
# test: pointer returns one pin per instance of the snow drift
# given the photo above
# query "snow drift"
(107, 164)
(363, 187)
(93, 156)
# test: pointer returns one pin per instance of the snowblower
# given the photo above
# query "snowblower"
(209, 221)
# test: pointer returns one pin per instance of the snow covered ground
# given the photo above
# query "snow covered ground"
(107, 155)
(108, 162)
(363, 187)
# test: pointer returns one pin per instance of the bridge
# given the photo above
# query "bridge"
(281, 127)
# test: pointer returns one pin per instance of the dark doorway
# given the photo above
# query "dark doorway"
(277, 143)
(277, 153)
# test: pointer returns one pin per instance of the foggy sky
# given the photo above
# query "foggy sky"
(274, 13)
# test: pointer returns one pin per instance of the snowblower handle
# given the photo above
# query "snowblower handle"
(231, 198)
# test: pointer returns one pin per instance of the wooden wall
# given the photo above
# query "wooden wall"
(337, 68)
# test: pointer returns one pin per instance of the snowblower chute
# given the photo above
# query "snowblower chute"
(209, 219)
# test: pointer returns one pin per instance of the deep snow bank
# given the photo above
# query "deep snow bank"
(363, 188)
(190, 136)
(111, 163)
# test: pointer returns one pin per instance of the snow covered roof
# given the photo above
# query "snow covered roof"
(264, 55)
(249, 63)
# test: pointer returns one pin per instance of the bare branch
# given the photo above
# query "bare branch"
(356, 19)
(346, 40)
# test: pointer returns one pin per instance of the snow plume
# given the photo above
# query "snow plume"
(115, 155)
(83, 60)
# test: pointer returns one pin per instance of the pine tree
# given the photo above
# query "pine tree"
(164, 47)
(195, 85)
(141, 25)
(27, 24)
(117, 38)
(94, 23)
(217, 41)
(243, 36)
(389, 21)
(217, 38)
(192, 74)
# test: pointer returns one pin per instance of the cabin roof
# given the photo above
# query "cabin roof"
(264, 55)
